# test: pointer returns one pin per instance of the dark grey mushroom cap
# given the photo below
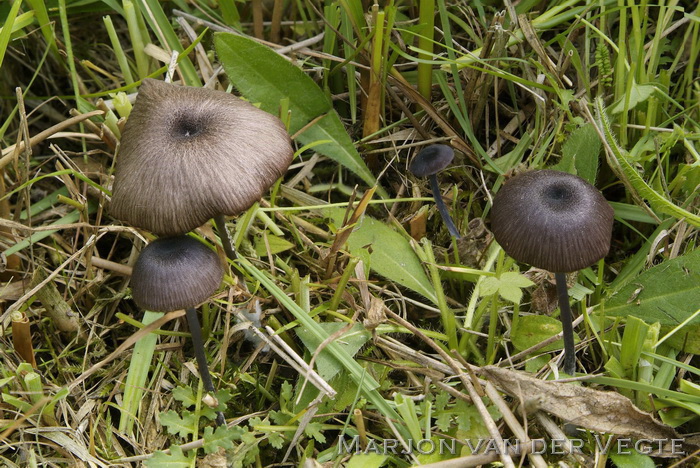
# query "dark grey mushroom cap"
(174, 273)
(431, 160)
(552, 220)
(189, 154)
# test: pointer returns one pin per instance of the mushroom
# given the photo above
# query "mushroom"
(557, 222)
(174, 273)
(191, 154)
(428, 162)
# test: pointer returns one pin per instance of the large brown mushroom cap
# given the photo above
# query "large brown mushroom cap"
(189, 154)
(174, 273)
(552, 220)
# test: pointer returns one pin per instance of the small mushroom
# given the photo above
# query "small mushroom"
(191, 154)
(428, 162)
(557, 222)
(174, 273)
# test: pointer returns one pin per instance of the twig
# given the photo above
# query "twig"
(480, 406)
(291, 358)
(126, 345)
(8, 154)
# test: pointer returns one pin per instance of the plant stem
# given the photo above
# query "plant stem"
(202, 364)
(566, 324)
(220, 221)
(442, 208)
(425, 43)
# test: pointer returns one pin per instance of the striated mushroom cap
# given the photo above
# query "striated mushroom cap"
(189, 154)
(552, 220)
(174, 273)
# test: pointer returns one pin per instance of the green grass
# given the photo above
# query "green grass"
(608, 90)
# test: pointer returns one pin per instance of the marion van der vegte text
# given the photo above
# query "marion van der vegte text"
(605, 445)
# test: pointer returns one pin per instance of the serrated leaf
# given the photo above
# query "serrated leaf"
(184, 426)
(279, 417)
(443, 421)
(222, 396)
(391, 254)
(263, 76)
(184, 395)
(287, 392)
(441, 401)
(315, 430)
(256, 421)
(175, 459)
(351, 342)
(276, 439)
(221, 437)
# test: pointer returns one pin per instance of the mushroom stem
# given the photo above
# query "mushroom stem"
(198, 343)
(225, 238)
(566, 324)
(442, 208)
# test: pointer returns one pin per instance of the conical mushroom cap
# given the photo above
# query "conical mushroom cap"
(189, 154)
(552, 220)
(174, 273)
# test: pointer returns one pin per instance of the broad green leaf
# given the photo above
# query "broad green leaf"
(510, 292)
(667, 293)
(629, 458)
(534, 329)
(350, 341)
(580, 153)
(391, 254)
(489, 285)
(638, 94)
(277, 245)
(263, 76)
(515, 279)
(367, 460)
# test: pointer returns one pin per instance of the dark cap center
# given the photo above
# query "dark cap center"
(187, 126)
(558, 196)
